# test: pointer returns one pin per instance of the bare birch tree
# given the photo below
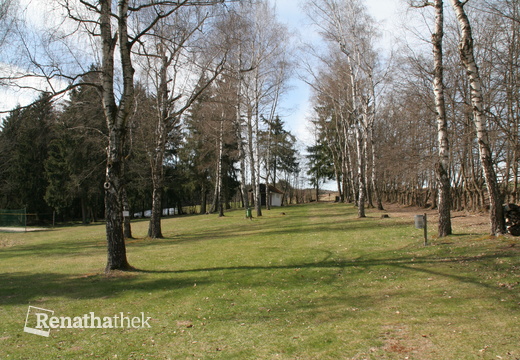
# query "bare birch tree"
(118, 30)
(466, 49)
(238, 33)
(349, 26)
(180, 65)
(443, 163)
(116, 115)
(442, 166)
(263, 84)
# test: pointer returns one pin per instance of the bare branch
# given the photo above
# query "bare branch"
(418, 4)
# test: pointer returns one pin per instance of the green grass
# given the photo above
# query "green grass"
(316, 283)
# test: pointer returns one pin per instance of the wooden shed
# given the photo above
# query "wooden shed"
(276, 195)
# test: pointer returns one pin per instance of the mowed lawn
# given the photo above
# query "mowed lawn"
(313, 282)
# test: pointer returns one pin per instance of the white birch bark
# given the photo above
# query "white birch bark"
(442, 166)
(116, 118)
(466, 49)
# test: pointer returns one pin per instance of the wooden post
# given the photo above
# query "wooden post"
(425, 230)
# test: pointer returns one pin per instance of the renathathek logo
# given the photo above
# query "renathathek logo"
(40, 321)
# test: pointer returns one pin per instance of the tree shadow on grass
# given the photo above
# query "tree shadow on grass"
(264, 228)
(26, 288)
(296, 231)
(29, 287)
(193, 236)
(403, 262)
(21, 287)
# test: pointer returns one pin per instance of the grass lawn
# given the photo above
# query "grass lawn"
(315, 283)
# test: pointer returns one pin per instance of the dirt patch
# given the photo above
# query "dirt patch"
(119, 274)
(328, 196)
(7, 243)
(462, 221)
(399, 340)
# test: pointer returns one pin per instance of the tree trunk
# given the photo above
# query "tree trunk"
(375, 186)
(268, 167)
(258, 193)
(83, 209)
(338, 184)
(116, 257)
(240, 145)
(442, 166)
(218, 201)
(154, 227)
(220, 175)
(348, 166)
(367, 162)
(204, 199)
(242, 160)
(252, 165)
(361, 171)
(371, 142)
(127, 226)
(157, 172)
(258, 198)
(479, 118)
(164, 124)
(116, 118)
(361, 186)
(255, 176)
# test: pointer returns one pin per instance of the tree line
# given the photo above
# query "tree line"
(181, 108)
(435, 124)
(54, 155)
